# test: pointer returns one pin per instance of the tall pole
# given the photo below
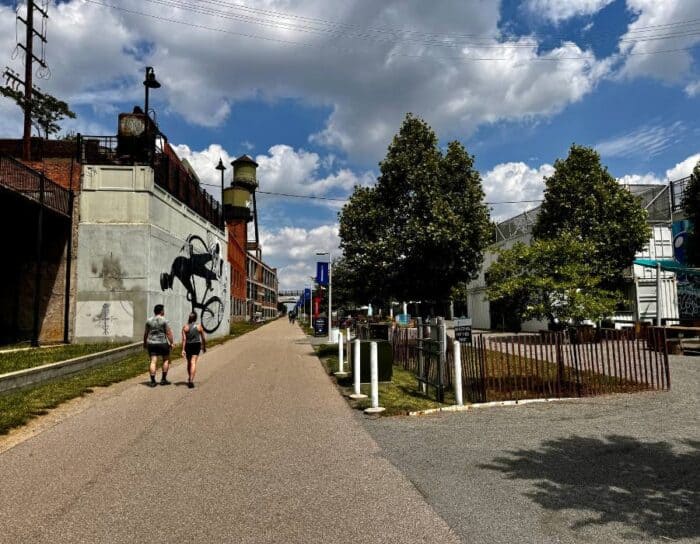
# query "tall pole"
(29, 54)
(330, 298)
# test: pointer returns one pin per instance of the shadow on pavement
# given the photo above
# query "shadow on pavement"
(643, 485)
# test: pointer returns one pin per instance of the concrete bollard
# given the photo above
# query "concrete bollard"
(458, 372)
(341, 364)
(374, 386)
(357, 394)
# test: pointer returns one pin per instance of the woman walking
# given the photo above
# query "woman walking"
(158, 340)
(193, 342)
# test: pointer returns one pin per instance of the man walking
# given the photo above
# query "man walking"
(158, 340)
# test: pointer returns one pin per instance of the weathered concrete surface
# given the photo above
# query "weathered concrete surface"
(264, 450)
(136, 250)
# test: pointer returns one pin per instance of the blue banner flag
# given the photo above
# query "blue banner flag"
(307, 294)
(322, 273)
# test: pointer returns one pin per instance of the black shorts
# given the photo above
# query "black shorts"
(159, 350)
(193, 348)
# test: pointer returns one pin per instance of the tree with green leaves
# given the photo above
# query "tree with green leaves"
(583, 199)
(691, 206)
(46, 110)
(550, 279)
(423, 227)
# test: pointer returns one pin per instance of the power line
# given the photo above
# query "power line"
(462, 58)
(314, 197)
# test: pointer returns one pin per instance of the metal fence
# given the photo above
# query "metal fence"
(33, 185)
(547, 365)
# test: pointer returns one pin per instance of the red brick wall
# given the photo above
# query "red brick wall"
(237, 238)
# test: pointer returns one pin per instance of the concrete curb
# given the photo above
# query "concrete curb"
(31, 376)
(470, 407)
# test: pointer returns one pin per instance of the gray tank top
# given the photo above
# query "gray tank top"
(157, 330)
(192, 335)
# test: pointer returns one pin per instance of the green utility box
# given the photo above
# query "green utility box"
(385, 360)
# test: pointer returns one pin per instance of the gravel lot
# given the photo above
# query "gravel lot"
(622, 468)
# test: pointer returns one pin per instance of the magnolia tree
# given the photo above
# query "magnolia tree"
(552, 280)
(587, 233)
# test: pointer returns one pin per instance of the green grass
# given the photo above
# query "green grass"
(19, 406)
(19, 360)
(399, 397)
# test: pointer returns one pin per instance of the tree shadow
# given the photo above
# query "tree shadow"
(646, 486)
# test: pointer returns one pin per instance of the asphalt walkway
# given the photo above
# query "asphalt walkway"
(263, 450)
(615, 469)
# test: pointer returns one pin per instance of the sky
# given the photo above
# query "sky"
(314, 91)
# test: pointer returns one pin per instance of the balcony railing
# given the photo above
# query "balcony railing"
(169, 172)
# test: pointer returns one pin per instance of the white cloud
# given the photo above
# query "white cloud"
(97, 55)
(683, 168)
(282, 170)
(640, 179)
(692, 89)
(657, 20)
(647, 141)
(515, 182)
(558, 10)
(293, 252)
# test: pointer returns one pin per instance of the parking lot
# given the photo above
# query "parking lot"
(621, 468)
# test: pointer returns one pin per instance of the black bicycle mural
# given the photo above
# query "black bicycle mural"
(198, 259)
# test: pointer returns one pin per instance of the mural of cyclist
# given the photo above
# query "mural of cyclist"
(198, 259)
(196, 264)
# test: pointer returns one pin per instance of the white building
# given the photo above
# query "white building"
(641, 287)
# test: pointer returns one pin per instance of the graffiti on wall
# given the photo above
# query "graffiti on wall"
(200, 269)
(688, 281)
(104, 318)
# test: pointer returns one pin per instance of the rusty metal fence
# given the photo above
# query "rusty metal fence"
(575, 363)
(33, 185)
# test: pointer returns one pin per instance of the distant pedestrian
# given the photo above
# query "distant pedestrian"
(194, 342)
(158, 340)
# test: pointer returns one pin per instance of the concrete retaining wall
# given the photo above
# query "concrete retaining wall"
(138, 247)
(39, 374)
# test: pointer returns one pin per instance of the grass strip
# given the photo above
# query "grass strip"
(17, 407)
(19, 360)
(399, 397)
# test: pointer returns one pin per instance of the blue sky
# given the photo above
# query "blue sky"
(314, 90)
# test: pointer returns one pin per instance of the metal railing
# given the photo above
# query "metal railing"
(169, 172)
(575, 363)
(33, 185)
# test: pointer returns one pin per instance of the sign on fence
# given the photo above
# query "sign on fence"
(403, 319)
(463, 330)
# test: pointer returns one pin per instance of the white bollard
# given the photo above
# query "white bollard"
(357, 394)
(341, 364)
(458, 372)
(374, 386)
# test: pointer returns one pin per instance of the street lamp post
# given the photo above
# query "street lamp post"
(330, 295)
(150, 82)
(221, 168)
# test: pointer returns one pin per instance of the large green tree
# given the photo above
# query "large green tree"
(691, 206)
(583, 199)
(423, 227)
(550, 279)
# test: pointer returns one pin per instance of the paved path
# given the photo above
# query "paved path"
(264, 450)
(615, 469)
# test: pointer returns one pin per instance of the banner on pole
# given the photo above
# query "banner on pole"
(317, 306)
(307, 294)
(322, 273)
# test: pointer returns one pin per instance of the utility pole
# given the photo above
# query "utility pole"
(29, 59)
